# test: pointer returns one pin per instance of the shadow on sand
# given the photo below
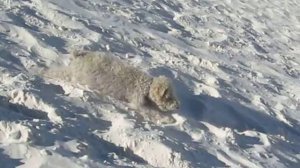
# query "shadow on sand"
(224, 113)
(78, 124)
(7, 162)
(221, 112)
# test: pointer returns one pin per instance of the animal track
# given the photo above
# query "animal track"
(11, 132)
(32, 101)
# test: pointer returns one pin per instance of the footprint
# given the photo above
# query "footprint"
(38, 108)
(13, 133)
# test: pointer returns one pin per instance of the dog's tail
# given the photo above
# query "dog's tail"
(54, 72)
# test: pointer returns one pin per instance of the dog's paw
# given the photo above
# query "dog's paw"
(166, 119)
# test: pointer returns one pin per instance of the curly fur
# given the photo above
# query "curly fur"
(109, 76)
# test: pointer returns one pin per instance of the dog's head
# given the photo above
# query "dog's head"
(161, 93)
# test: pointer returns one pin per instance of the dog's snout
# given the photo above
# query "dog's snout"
(175, 105)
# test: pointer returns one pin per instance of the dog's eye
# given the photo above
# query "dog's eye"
(167, 94)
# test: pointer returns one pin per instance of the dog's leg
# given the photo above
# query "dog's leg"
(156, 116)
(149, 112)
(162, 118)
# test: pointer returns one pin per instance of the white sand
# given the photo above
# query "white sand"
(235, 65)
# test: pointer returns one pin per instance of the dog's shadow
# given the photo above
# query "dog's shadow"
(220, 112)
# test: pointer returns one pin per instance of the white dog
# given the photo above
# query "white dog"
(109, 76)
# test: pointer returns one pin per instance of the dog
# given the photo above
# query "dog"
(108, 76)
